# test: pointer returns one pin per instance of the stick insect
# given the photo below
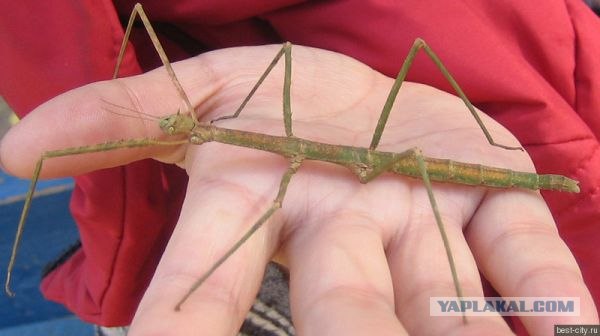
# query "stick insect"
(366, 163)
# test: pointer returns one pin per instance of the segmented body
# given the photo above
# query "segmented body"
(368, 164)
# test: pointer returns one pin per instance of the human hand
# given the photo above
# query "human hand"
(362, 258)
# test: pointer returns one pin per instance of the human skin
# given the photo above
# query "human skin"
(363, 258)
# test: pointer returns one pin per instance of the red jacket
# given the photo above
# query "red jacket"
(532, 66)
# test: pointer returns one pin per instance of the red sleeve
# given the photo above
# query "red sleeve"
(532, 67)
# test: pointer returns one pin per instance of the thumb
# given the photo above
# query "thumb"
(102, 112)
(215, 83)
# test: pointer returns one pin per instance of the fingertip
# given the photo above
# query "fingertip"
(9, 158)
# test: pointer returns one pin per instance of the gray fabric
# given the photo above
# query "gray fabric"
(269, 315)
(594, 5)
(110, 331)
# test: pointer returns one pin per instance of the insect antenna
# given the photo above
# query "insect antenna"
(134, 113)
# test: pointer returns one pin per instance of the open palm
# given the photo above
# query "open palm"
(363, 258)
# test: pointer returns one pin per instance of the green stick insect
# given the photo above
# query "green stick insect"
(365, 163)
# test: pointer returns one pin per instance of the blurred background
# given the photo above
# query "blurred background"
(7, 118)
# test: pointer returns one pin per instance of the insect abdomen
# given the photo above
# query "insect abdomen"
(444, 170)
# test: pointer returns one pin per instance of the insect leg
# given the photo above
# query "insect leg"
(438, 219)
(142, 142)
(286, 50)
(138, 10)
(285, 180)
(418, 45)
